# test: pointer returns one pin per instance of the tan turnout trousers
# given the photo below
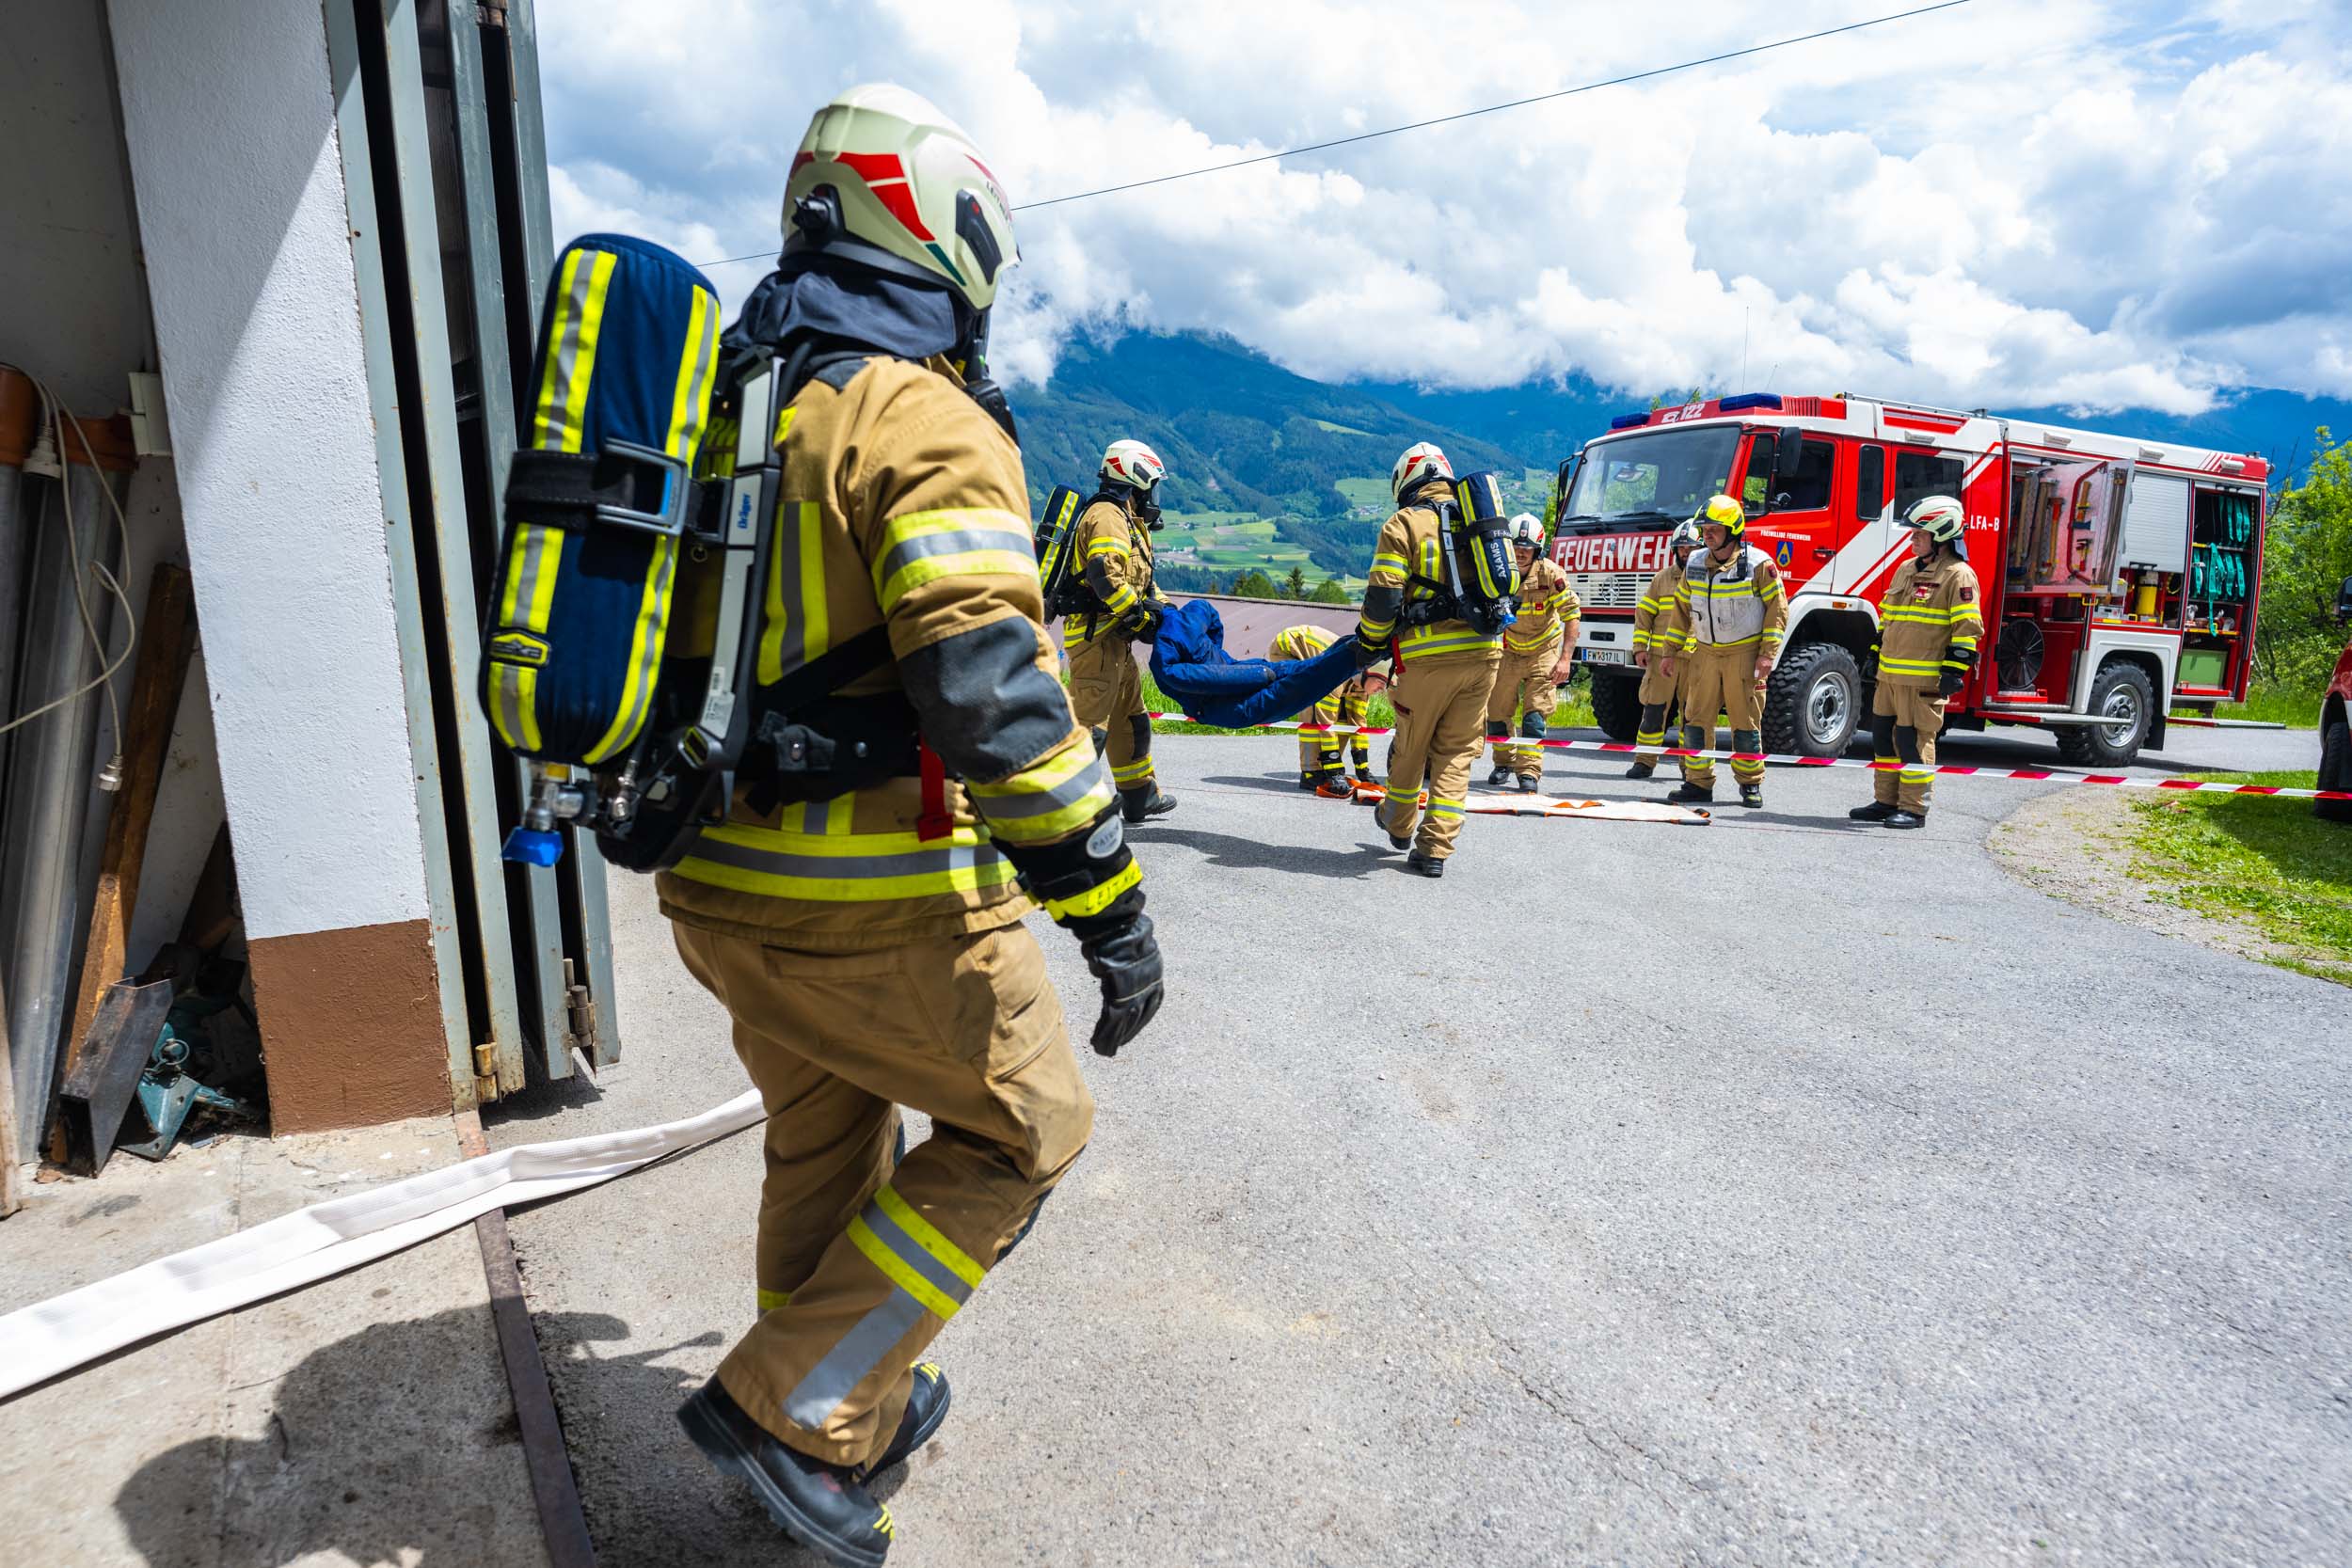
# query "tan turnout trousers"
(1522, 684)
(1658, 690)
(1106, 693)
(1441, 719)
(861, 1264)
(1909, 784)
(1721, 678)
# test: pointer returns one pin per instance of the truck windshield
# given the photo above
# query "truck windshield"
(1661, 474)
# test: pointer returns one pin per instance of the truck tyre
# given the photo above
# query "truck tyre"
(2335, 769)
(1812, 702)
(1617, 704)
(2122, 693)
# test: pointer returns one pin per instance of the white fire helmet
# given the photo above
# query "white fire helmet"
(1940, 517)
(1525, 531)
(910, 194)
(1685, 536)
(1422, 461)
(1133, 463)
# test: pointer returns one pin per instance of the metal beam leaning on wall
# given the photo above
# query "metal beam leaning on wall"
(367, 254)
(455, 621)
(538, 936)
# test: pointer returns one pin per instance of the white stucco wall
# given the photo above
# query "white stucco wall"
(239, 188)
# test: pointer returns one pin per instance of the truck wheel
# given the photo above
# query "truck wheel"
(2335, 770)
(1812, 702)
(1617, 704)
(2121, 695)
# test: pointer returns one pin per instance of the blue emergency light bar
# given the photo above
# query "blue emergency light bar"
(1750, 400)
(1627, 421)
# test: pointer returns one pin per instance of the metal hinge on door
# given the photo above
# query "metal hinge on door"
(491, 13)
(581, 1014)
(485, 1067)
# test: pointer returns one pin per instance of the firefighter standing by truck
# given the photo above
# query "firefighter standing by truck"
(1729, 612)
(1929, 626)
(1114, 539)
(1538, 650)
(1320, 755)
(1447, 666)
(870, 945)
(1653, 620)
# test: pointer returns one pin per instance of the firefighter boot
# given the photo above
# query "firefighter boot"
(1364, 773)
(1144, 802)
(927, 1407)
(823, 1506)
(1750, 795)
(1424, 865)
(1530, 786)
(1877, 811)
(1686, 793)
(1498, 777)
(1641, 770)
(1308, 779)
(1900, 818)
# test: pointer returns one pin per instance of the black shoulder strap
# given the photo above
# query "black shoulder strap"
(834, 669)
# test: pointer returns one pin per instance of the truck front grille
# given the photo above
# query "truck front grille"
(1608, 589)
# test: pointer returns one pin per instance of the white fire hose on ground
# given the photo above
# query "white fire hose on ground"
(55, 1335)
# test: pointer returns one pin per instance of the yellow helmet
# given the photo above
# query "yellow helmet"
(1726, 514)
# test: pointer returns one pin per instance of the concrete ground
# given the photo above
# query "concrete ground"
(363, 1421)
(1776, 1192)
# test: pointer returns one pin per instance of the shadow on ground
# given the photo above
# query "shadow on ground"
(1229, 853)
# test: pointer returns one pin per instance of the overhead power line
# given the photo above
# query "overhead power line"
(1448, 119)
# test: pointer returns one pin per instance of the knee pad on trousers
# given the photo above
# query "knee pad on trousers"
(1907, 743)
(1142, 728)
(1534, 726)
(1498, 729)
(1696, 740)
(1882, 737)
(1026, 1225)
(1101, 741)
(1747, 740)
(1653, 718)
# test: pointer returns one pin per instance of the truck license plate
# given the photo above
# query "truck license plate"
(1602, 656)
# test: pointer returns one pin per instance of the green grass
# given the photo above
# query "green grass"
(1363, 492)
(2268, 862)
(2297, 710)
(1338, 429)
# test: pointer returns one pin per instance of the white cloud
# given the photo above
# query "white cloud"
(2070, 201)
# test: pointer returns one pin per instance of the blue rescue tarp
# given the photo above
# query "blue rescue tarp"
(1190, 662)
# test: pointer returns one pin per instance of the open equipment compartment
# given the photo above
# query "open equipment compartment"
(2224, 576)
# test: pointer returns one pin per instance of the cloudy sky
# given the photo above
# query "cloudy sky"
(2014, 202)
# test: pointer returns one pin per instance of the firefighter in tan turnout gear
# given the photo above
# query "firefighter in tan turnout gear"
(1320, 755)
(1114, 541)
(1448, 668)
(1538, 653)
(1654, 648)
(870, 945)
(1929, 626)
(1728, 615)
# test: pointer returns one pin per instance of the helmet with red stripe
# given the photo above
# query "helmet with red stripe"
(1422, 461)
(1133, 463)
(883, 179)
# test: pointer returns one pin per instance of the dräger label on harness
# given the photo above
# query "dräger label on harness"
(514, 648)
(1612, 552)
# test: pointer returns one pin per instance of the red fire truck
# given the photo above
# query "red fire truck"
(2121, 576)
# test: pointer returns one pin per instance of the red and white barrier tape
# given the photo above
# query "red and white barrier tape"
(1605, 811)
(2029, 775)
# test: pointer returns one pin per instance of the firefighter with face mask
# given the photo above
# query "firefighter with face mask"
(1539, 655)
(1653, 619)
(1728, 615)
(1320, 756)
(1929, 626)
(871, 945)
(1449, 667)
(1113, 537)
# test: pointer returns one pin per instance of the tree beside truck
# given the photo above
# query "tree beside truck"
(2121, 576)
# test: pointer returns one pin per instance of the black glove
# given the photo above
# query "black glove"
(1125, 959)
(1949, 685)
(1141, 623)
(1368, 653)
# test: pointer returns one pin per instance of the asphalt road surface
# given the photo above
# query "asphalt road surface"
(1774, 1191)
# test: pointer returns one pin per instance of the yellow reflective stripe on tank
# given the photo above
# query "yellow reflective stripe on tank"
(924, 546)
(1094, 900)
(560, 423)
(698, 360)
(645, 653)
(844, 868)
(513, 690)
(1071, 787)
(796, 572)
